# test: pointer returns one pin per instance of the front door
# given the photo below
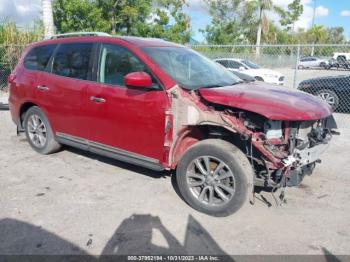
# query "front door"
(129, 120)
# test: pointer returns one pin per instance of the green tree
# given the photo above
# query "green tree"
(148, 18)
(180, 30)
(78, 15)
(168, 21)
(261, 7)
(231, 20)
(335, 35)
(14, 39)
(317, 34)
(289, 17)
(125, 16)
(243, 21)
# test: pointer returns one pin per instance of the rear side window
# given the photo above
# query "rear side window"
(72, 60)
(38, 57)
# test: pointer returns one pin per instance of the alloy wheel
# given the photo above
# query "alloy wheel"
(329, 98)
(210, 181)
(37, 131)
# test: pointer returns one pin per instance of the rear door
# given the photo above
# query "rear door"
(129, 120)
(24, 85)
(62, 89)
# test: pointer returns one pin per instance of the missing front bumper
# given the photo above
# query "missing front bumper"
(309, 155)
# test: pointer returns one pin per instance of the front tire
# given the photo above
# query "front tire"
(330, 97)
(259, 78)
(39, 133)
(214, 177)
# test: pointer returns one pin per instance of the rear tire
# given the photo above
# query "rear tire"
(39, 133)
(214, 177)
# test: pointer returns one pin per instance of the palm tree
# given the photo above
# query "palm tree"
(317, 35)
(261, 6)
(47, 18)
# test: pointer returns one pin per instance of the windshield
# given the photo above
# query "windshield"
(250, 64)
(190, 69)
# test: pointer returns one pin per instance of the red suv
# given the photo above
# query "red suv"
(164, 106)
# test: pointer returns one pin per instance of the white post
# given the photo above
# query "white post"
(258, 33)
(47, 18)
(296, 67)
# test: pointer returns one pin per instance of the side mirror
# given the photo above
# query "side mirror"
(241, 68)
(138, 79)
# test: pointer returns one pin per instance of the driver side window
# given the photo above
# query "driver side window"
(116, 62)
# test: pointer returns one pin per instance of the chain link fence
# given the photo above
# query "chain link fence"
(9, 56)
(321, 70)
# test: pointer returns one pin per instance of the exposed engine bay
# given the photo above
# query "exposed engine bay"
(297, 144)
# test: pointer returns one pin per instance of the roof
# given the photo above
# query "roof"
(76, 34)
(142, 41)
(137, 41)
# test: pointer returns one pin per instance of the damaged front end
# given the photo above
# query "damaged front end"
(288, 150)
(281, 152)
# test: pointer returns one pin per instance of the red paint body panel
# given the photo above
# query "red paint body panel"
(21, 90)
(129, 119)
(65, 102)
(271, 101)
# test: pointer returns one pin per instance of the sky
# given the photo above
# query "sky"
(328, 13)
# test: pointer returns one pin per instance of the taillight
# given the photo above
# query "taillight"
(11, 78)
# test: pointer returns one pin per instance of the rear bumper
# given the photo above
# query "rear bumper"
(14, 110)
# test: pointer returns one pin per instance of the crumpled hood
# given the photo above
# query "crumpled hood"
(273, 102)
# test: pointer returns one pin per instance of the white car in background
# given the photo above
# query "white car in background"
(249, 68)
(312, 62)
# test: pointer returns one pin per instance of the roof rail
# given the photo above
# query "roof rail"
(78, 34)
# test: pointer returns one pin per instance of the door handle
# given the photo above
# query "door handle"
(97, 99)
(42, 88)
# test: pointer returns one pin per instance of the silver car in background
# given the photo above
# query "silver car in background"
(312, 62)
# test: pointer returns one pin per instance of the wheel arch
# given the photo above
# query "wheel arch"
(22, 111)
(259, 78)
(193, 134)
